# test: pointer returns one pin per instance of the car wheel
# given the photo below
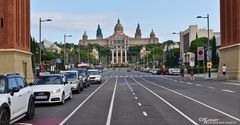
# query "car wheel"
(31, 109)
(70, 96)
(4, 117)
(79, 88)
(63, 99)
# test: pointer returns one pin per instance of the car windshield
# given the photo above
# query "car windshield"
(2, 85)
(93, 72)
(82, 73)
(70, 75)
(48, 80)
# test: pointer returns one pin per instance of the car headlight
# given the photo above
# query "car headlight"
(56, 91)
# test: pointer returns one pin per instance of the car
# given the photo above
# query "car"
(51, 88)
(94, 76)
(83, 73)
(128, 70)
(74, 79)
(174, 71)
(16, 99)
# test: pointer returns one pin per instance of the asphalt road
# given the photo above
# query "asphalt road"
(136, 98)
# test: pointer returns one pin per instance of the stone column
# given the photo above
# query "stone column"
(121, 56)
(117, 55)
(112, 56)
(125, 56)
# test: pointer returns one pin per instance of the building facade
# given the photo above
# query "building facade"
(15, 55)
(190, 34)
(230, 38)
(119, 42)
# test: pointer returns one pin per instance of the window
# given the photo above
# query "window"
(12, 83)
(20, 82)
(2, 85)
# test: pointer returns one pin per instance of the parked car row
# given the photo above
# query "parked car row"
(161, 71)
(18, 98)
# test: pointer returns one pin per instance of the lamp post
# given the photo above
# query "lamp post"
(208, 47)
(40, 42)
(64, 56)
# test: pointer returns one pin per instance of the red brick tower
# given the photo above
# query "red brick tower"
(15, 55)
(230, 38)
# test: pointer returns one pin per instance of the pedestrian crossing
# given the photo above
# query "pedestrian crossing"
(131, 76)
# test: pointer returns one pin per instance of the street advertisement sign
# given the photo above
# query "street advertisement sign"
(191, 59)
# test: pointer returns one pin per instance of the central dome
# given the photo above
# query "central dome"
(118, 27)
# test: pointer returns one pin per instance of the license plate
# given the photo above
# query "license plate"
(41, 97)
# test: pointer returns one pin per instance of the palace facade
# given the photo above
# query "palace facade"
(119, 42)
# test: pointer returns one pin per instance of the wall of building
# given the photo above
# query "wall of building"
(15, 24)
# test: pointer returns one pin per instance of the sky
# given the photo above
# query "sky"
(73, 17)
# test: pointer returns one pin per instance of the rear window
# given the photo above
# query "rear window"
(70, 75)
(48, 80)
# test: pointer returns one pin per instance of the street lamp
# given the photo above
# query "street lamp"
(64, 56)
(208, 48)
(40, 41)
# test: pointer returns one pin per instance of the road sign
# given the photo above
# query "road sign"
(180, 60)
(200, 53)
(209, 65)
(58, 60)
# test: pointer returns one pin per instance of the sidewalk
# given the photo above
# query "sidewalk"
(214, 77)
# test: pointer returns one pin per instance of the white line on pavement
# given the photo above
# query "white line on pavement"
(145, 114)
(210, 87)
(225, 90)
(139, 104)
(173, 107)
(189, 83)
(198, 85)
(136, 98)
(233, 117)
(111, 105)
(74, 111)
(133, 93)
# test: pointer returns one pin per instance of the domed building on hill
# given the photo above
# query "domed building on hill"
(119, 42)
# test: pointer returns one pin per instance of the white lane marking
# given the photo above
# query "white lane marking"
(233, 117)
(136, 98)
(173, 107)
(198, 85)
(210, 87)
(189, 83)
(22, 124)
(225, 90)
(128, 84)
(74, 111)
(175, 80)
(133, 93)
(139, 104)
(111, 105)
(145, 114)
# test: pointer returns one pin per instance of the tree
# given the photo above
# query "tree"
(198, 43)
(215, 58)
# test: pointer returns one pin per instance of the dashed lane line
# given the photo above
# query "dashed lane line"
(225, 90)
(139, 104)
(194, 100)
(173, 107)
(79, 106)
(145, 114)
